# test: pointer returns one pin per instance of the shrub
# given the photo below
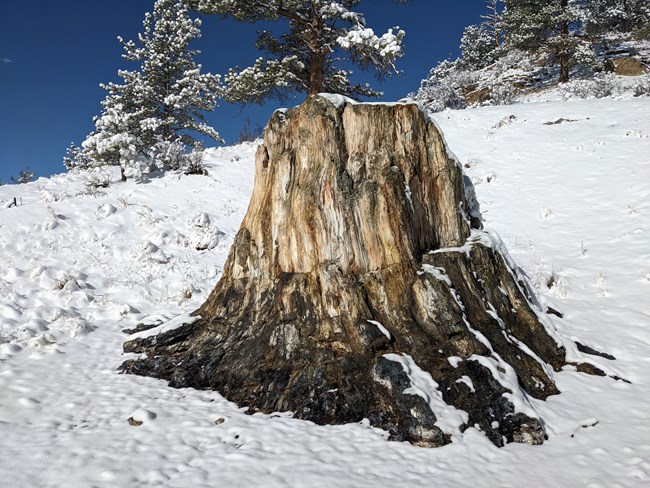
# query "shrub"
(76, 158)
(168, 155)
(444, 86)
(503, 93)
(642, 86)
(642, 34)
(194, 162)
(600, 86)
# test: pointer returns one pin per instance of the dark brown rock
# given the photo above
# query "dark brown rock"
(594, 352)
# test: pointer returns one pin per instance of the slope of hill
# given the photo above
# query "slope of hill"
(566, 185)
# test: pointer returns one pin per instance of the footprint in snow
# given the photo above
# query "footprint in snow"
(636, 133)
(472, 163)
(8, 350)
(507, 120)
(545, 214)
(51, 224)
(105, 210)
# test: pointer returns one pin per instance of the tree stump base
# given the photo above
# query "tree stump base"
(360, 285)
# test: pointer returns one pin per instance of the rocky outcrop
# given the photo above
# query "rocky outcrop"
(361, 285)
(626, 66)
(473, 95)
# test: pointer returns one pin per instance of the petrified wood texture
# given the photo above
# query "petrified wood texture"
(360, 273)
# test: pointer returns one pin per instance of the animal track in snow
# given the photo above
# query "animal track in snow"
(545, 214)
(105, 210)
(636, 133)
(505, 121)
(490, 177)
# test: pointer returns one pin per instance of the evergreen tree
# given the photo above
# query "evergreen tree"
(24, 176)
(163, 102)
(605, 16)
(544, 26)
(308, 57)
(479, 44)
(477, 47)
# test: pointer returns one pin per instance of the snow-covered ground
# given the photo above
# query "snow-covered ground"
(566, 185)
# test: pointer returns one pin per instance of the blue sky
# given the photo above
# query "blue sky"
(54, 54)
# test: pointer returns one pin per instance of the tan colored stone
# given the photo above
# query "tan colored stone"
(475, 96)
(626, 67)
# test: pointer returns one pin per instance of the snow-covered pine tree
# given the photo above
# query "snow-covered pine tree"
(76, 158)
(539, 26)
(161, 103)
(606, 16)
(479, 44)
(25, 175)
(448, 81)
(477, 47)
(308, 57)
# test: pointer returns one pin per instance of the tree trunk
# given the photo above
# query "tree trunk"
(564, 55)
(317, 49)
(316, 73)
(564, 67)
(360, 285)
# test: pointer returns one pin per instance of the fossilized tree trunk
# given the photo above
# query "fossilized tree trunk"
(361, 286)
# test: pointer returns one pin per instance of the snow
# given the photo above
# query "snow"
(467, 381)
(437, 273)
(173, 324)
(80, 263)
(142, 415)
(381, 328)
(388, 44)
(337, 100)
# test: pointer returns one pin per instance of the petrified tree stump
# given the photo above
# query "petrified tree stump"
(360, 285)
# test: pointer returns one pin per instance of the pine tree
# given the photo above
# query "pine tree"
(160, 103)
(544, 26)
(308, 57)
(605, 16)
(477, 47)
(24, 176)
(479, 44)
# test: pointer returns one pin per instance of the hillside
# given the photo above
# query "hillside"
(565, 184)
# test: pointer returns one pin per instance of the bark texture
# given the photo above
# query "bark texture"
(360, 285)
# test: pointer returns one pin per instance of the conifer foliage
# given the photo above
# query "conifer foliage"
(477, 47)
(158, 107)
(545, 25)
(616, 15)
(308, 57)
(527, 44)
